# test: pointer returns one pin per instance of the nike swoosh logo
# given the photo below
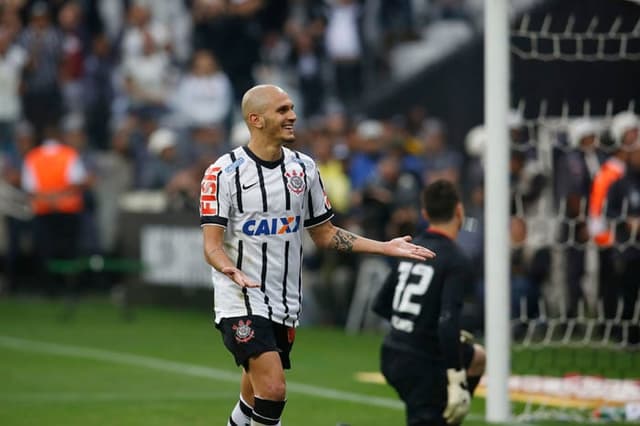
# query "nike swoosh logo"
(249, 186)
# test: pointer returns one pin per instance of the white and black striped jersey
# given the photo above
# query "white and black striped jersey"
(264, 207)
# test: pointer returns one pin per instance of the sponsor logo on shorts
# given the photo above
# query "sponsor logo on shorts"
(243, 330)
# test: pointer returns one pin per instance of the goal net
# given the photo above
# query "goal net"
(575, 337)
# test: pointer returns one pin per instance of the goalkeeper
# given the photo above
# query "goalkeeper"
(432, 365)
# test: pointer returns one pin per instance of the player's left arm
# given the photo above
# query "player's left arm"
(458, 396)
(328, 236)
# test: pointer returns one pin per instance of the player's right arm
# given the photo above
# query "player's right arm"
(214, 216)
(216, 256)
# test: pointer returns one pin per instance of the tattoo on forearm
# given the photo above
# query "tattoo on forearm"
(343, 241)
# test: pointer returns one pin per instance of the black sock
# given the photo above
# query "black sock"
(267, 412)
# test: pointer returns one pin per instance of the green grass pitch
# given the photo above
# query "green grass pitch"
(169, 367)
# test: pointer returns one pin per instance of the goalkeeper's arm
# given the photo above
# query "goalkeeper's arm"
(458, 397)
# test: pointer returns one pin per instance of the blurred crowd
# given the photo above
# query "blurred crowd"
(575, 210)
(146, 93)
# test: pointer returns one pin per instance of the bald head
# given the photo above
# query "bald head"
(268, 113)
(257, 99)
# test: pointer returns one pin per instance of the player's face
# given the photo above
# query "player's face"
(280, 118)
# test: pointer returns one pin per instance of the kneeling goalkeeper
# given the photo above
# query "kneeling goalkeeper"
(430, 362)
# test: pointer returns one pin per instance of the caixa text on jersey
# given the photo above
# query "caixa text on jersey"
(272, 226)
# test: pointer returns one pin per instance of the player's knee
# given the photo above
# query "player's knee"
(479, 361)
(275, 391)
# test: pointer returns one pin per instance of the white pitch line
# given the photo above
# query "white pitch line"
(192, 370)
(112, 396)
(185, 369)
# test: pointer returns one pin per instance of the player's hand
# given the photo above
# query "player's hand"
(401, 247)
(239, 277)
(458, 397)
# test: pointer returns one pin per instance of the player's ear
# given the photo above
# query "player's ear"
(460, 213)
(424, 214)
(256, 120)
(460, 209)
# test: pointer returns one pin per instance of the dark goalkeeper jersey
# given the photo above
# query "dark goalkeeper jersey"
(423, 301)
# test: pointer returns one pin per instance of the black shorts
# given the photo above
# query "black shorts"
(421, 383)
(248, 336)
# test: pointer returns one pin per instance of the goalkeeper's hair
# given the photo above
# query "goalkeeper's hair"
(440, 199)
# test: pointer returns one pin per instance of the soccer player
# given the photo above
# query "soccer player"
(432, 365)
(254, 203)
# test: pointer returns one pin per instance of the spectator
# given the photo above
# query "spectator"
(207, 142)
(529, 268)
(116, 175)
(204, 96)
(624, 132)
(73, 50)
(12, 61)
(139, 30)
(97, 91)
(229, 29)
(175, 19)
(42, 99)
(163, 163)
(575, 171)
(10, 21)
(440, 161)
(336, 181)
(183, 188)
(75, 136)
(55, 176)
(19, 230)
(308, 64)
(369, 144)
(396, 21)
(627, 258)
(388, 200)
(345, 49)
(146, 79)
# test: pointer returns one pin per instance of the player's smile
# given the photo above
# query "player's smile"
(288, 127)
(288, 131)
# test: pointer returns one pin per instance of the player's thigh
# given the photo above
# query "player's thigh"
(420, 383)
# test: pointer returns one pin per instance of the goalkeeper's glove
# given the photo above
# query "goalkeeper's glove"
(458, 397)
(467, 337)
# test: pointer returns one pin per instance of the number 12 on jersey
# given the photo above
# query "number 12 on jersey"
(406, 289)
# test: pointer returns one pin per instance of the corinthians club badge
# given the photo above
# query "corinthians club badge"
(295, 181)
(244, 332)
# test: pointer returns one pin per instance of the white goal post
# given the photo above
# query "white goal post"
(496, 104)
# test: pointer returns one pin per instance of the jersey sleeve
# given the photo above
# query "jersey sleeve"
(318, 205)
(215, 202)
